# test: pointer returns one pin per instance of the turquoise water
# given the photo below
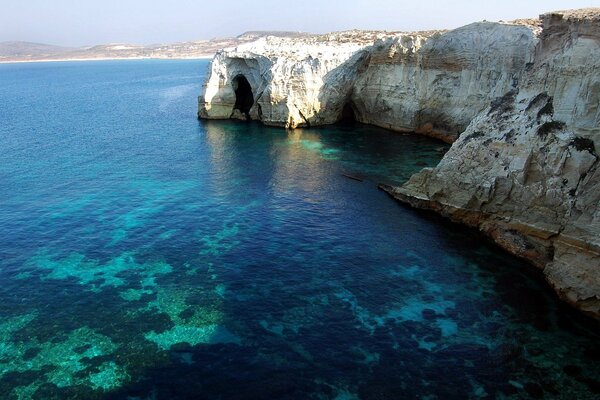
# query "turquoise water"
(147, 255)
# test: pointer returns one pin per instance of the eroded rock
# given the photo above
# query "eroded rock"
(520, 100)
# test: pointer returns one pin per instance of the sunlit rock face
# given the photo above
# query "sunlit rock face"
(526, 170)
(295, 81)
(432, 82)
(520, 101)
(436, 86)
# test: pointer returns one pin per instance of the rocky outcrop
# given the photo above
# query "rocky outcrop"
(432, 82)
(295, 82)
(526, 170)
(520, 100)
(438, 86)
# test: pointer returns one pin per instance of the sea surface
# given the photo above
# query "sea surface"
(147, 255)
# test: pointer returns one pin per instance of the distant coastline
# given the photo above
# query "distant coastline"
(18, 52)
(203, 57)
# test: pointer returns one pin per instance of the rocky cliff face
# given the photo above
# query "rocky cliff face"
(431, 82)
(526, 170)
(522, 98)
(439, 85)
(294, 82)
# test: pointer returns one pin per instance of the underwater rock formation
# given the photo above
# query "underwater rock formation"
(520, 101)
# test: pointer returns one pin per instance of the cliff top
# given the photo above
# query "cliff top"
(355, 36)
(309, 44)
(321, 45)
(335, 44)
(532, 22)
(577, 14)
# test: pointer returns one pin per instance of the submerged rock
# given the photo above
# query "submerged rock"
(519, 100)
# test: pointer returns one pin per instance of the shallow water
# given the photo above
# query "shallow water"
(147, 255)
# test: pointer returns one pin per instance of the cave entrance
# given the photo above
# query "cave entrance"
(244, 99)
(348, 115)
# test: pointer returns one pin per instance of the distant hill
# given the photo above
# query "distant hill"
(26, 51)
(258, 34)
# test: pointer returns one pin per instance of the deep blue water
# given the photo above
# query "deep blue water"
(147, 255)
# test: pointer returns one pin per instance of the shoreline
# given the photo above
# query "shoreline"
(207, 57)
(523, 167)
(471, 220)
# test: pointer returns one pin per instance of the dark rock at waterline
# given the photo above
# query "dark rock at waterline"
(572, 370)
(534, 390)
(353, 177)
(592, 384)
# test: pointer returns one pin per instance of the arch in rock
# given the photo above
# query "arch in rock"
(244, 98)
(348, 114)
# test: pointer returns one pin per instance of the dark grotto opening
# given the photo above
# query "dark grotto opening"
(244, 99)
(348, 115)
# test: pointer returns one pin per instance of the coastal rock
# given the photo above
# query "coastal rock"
(295, 82)
(526, 170)
(434, 82)
(520, 101)
(437, 86)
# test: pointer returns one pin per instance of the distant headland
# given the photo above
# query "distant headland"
(17, 51)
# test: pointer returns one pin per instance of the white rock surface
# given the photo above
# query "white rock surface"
(526, 171)
(526, 94)
(433, 82)
(442, 83)
(295, 81)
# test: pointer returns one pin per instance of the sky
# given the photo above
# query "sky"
(87, 22)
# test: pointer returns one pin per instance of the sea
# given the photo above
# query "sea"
(145, 255)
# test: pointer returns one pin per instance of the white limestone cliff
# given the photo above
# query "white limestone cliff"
(522, 98)
(526, 171)
(295, 82)
(432, 82)
(440, 85)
